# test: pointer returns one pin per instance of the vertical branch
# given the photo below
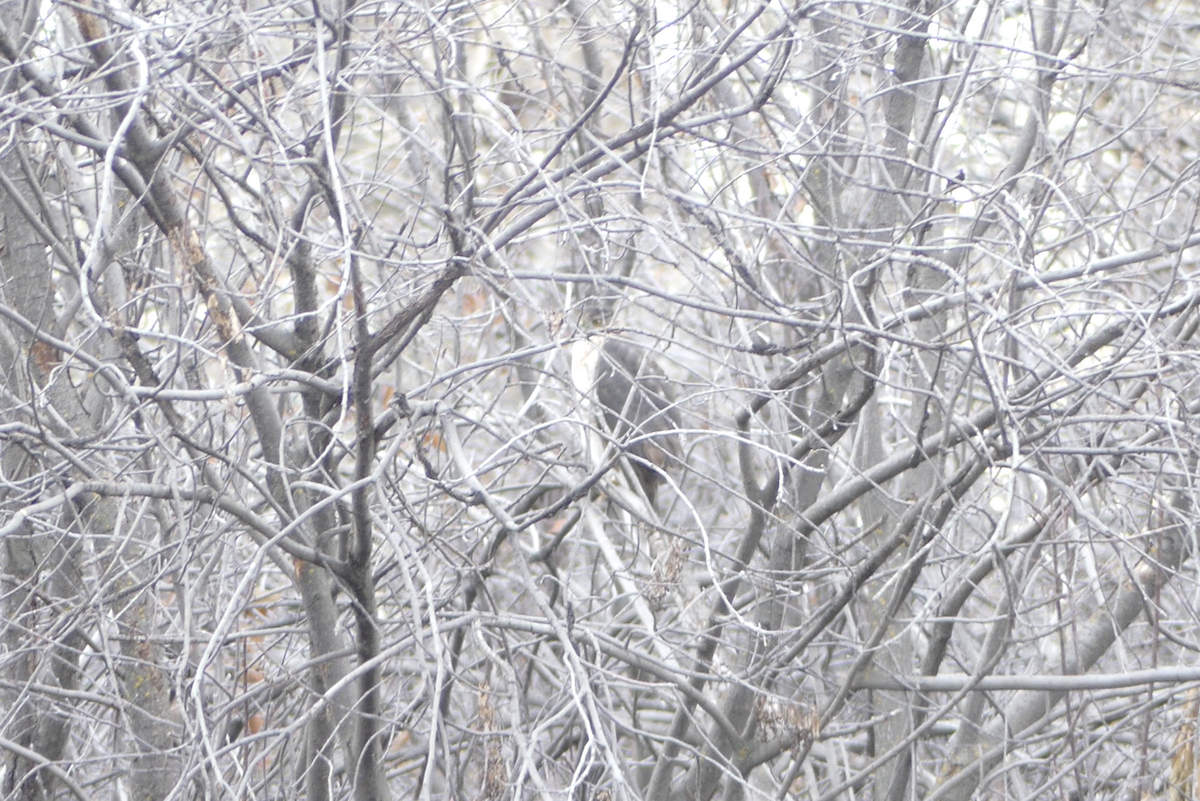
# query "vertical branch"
(368, 772)
(39, 569)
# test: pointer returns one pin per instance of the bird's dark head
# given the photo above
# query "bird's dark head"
(595, 312)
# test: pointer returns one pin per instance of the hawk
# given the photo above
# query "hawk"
(635, 403)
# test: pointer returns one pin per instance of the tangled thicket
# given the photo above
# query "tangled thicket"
(300, 495)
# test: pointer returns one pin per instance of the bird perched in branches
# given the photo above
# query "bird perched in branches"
(635, 402)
